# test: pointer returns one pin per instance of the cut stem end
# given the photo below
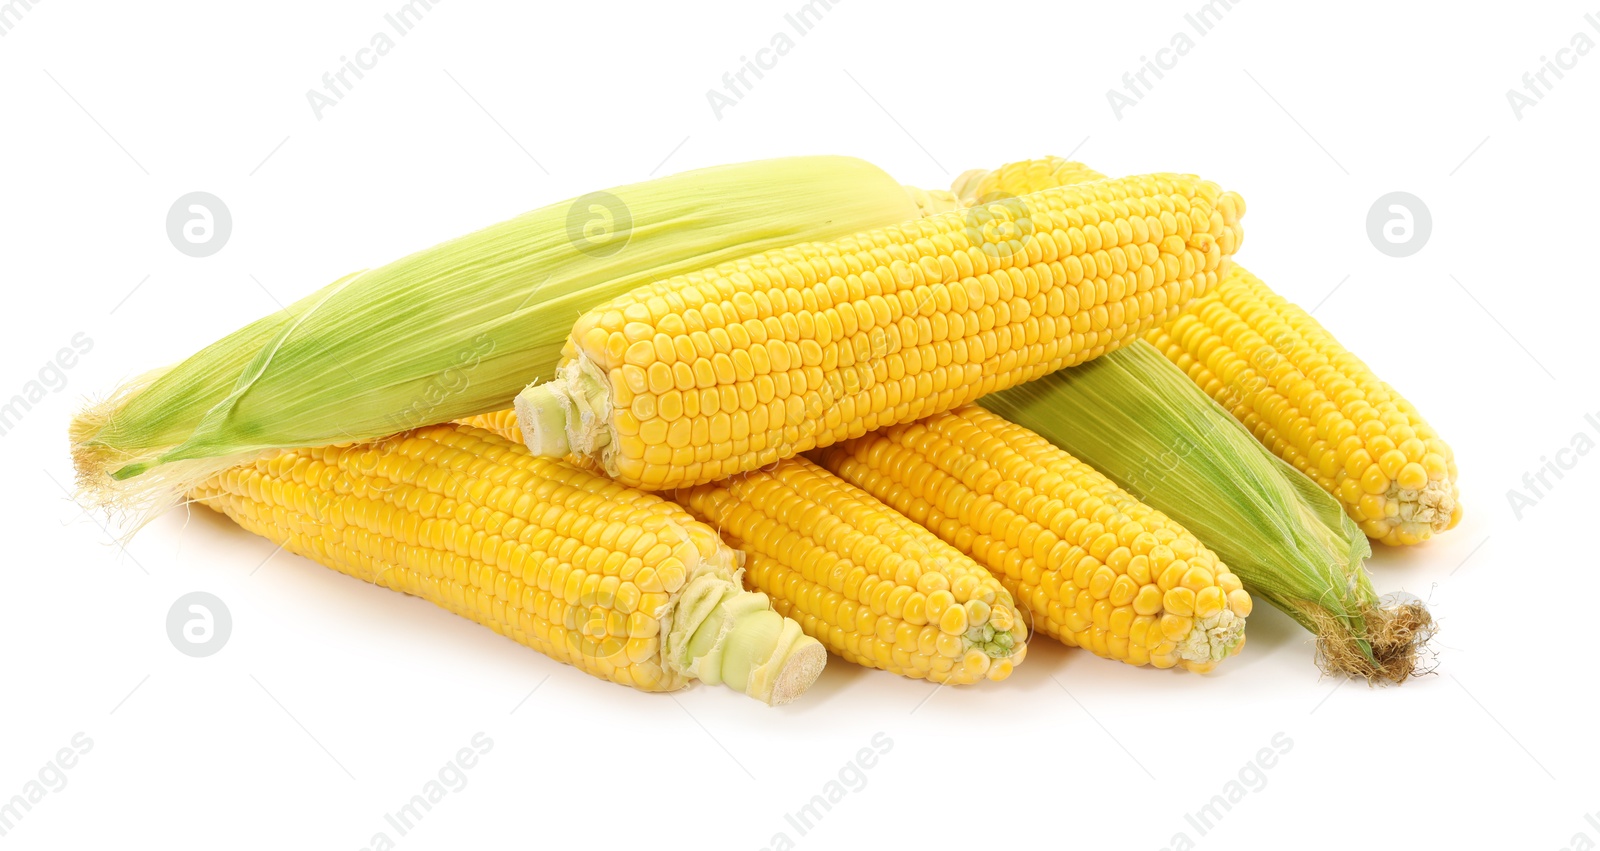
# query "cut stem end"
(568, 415)
(767, 653)
(543, 411)
(721, 633)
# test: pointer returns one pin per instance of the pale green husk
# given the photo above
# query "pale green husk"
(453, 330)
(1138, 419)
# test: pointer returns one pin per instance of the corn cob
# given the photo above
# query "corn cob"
(867, 582)
(1140, 421)
(858, 576)
(1317, 406)
(1300, 392)
(1094, 566)
(622, 584)
(456, 329)
(702, 376)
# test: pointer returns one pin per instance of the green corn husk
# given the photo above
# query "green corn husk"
(453, 330)
(1139, 420)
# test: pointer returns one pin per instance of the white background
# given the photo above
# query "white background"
(334, 702)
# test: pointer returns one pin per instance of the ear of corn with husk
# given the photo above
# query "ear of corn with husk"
(732, 317)
(1302, 394)
(456, 329)
(1139, 420)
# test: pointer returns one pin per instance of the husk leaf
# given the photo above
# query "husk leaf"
(1138, 419)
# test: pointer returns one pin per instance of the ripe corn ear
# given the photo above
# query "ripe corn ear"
(622, 584)
(1317, 406)
(861, 578)
(456, 329)
(1302, 394)
(1095, 567)
(1139, 420)
(702, 376)
(871, 585)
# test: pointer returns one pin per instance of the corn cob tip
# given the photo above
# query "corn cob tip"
(1211, 640)
(1420, 513)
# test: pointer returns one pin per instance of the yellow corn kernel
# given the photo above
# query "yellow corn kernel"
(954, 620)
